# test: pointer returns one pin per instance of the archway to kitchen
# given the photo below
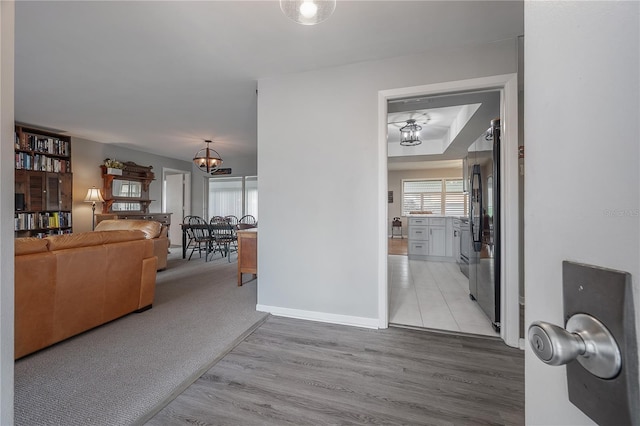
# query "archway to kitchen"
(429, 291)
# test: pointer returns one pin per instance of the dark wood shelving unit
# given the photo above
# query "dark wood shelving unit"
(131, 172)
(43, 183)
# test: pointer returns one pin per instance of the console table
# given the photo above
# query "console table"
(247, 253)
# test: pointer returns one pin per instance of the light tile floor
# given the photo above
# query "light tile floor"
(433, 295)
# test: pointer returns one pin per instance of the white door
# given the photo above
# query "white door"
(582, 188)
(176, 200)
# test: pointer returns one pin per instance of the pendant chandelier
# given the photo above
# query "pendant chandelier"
(207, 159)
(307, 12)
(410, 134)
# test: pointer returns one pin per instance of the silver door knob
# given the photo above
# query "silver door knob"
(585, 339)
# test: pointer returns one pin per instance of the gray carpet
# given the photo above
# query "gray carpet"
(122, 373)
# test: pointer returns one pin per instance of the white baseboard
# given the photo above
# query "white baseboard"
(320, 316)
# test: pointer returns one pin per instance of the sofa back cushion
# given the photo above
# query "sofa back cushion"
(151, 228)
(30, 245)
(88, 239)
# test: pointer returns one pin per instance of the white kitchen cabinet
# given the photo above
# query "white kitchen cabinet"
(449, 238)
(418, 233)
(418, 221)
(437, 241)
(431, 238)
(418, 248)
(418, 237)
(456, 240)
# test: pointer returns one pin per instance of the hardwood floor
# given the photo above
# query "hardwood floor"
(398, 246)
(302, 372)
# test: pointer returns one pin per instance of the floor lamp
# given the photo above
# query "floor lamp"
(93, 195)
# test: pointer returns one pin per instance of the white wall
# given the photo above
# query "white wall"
(7, 13)
(582, 190)
(319, 218)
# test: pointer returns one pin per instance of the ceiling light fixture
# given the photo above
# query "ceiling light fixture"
(207, 159)
(410, 134)
(307, 12)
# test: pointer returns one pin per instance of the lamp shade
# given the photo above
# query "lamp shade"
(308, 12)
(207, 159)
(93, 196)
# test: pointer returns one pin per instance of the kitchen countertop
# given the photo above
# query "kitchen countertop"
(437, 215)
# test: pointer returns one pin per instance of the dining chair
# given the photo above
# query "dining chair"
(225, 240)
(202, 238)
(190, 238)
(232, 220)
(248, 219)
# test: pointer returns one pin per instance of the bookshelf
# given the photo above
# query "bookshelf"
(43, 183)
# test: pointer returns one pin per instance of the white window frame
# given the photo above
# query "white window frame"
(443, 196)
(243, 194)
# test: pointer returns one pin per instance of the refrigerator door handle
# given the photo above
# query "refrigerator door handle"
(476, 231)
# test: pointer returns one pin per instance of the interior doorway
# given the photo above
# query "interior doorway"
(506, 86)
(428, 287)
(176, 199)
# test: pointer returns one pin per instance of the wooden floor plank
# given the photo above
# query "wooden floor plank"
(302, 372)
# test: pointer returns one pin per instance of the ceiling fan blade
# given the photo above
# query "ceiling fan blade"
(420, 118)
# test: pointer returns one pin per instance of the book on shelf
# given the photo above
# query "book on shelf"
(43, 220)
(40, 162)
(47, 145)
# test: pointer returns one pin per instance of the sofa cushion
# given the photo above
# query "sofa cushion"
(151, 228)
(87, 239)
(109, 237)
(29, 245)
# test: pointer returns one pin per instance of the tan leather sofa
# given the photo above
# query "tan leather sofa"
(67, 284)
(152, 230)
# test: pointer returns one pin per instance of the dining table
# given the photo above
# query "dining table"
(213, 229)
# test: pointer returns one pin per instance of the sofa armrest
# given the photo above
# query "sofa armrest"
(160, 250)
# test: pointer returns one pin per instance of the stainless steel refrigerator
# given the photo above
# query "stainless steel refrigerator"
(484, 200)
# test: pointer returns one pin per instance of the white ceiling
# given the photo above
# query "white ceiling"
(163, 76)
(435, 122)
(423, 165)
(457, 121)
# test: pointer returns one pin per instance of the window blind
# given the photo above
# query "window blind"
(235, 196)
(439, 196)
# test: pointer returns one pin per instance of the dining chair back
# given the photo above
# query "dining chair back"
(202, 238)
(249, 219)
(232, 220)
(188, 232)
(224, 236)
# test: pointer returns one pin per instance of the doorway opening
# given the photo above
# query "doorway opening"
(176, 199)
(416, 100)
(429, 284)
